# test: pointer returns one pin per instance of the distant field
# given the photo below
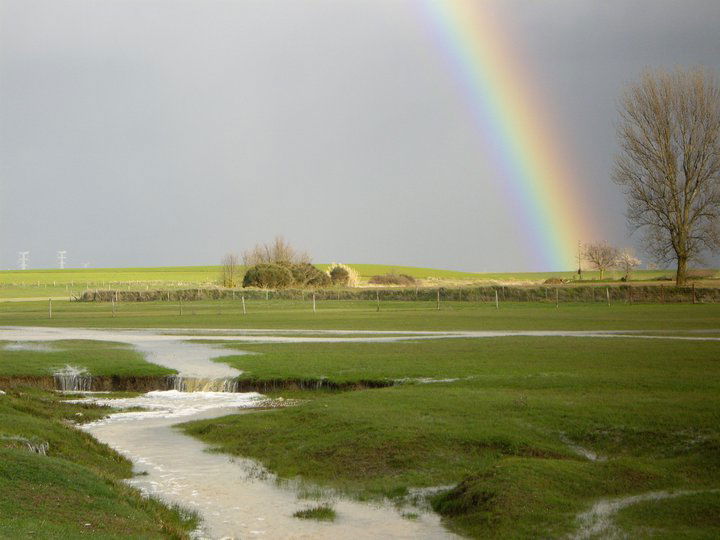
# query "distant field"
(64, 283)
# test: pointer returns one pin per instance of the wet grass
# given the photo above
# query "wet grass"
(506, 434)
(100, 358)
(688, 516)
(76, 489)
(362, 315)
(321, 512)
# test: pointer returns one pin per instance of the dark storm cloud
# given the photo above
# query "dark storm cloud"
(171, 132)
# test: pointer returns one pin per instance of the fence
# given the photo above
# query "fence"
(561, 294)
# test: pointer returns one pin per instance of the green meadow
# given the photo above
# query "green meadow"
(516, 436)
(508, 421)
(363, 315)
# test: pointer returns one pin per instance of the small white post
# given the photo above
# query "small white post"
(113, 307)
(438, 299)
(557, 297)
(607, 294)
(497, 300)
(243, 304)
(377, 300)
(50, 308)
(314, 311)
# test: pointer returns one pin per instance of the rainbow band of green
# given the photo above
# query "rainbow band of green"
(538, 184)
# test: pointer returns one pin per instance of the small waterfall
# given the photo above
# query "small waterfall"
(72, 379)
(200, 384)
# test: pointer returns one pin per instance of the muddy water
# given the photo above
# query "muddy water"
(235, 496)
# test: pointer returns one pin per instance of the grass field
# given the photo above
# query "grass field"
(513, 430)
(99, 358)
(507, 432)
(75, 490)
(363, 315)
(58, 283)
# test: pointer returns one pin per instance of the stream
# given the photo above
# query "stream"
(235, 497)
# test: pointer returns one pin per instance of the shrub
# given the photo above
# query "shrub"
(341, 274)
(393, 279)
(554, 281)
(309, 275)
(268, 276)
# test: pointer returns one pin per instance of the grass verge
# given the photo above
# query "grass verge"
(75, 489)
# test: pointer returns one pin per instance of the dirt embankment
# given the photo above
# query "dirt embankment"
(149, 383)
(98, 384)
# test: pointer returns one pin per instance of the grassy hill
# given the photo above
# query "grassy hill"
(44, 283)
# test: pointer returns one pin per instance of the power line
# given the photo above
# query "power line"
(23, 259)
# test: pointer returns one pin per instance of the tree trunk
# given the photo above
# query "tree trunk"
(681, 276)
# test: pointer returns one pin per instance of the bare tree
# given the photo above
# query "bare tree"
(230, 270)
(669, 163)
(278, 252)
(627, 262)
(601, 256)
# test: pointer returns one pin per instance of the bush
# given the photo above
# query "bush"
(393, 279)
(309, 275)
(268, 276)
(343, 275)
(339, 276)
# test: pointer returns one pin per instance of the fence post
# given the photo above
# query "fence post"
(113, 308)
(243, 303)
(497, 301)
(438, 299)
(607, 293)
(557, 297)
(49, 308)
(314, 311)
(693, 288)
(377, 300)
(267, 294)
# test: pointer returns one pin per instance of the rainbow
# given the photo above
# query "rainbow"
(537, 178)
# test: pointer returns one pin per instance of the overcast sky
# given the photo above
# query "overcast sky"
(139, 133)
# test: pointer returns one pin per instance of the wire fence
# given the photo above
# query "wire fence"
(487, 294)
